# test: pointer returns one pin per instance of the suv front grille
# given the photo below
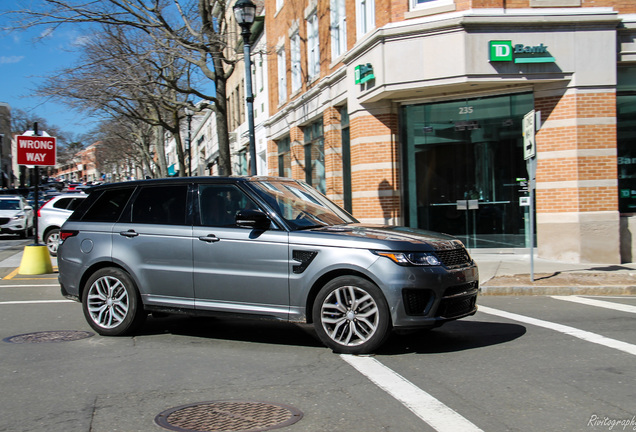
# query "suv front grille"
(454, 257)
(416, 301)
(4, 221)
(460, 289)
(458, 300)
(451, 308)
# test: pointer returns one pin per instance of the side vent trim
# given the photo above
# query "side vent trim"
(304, 258)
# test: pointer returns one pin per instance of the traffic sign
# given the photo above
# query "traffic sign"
(36, 150)
(529, 128)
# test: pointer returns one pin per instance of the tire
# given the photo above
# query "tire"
(52, 241)
(351, 315)
(111, 303)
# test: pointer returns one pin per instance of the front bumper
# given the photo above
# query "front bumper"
(13, 227)
(426, 297)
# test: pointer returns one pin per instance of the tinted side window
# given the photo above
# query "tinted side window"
(108, 206)
(74, 203)
(219, 203)
(62, 203)
(161, 205)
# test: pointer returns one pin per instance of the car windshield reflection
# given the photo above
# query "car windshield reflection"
(9, 205)
(302, 208)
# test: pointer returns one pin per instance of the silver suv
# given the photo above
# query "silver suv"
(53, 214)
(266, 247)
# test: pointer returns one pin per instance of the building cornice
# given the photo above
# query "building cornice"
(456, 21)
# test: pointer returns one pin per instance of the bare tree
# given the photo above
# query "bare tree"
(22, 121)
(193, 30)
(115, 145)
(120, 74)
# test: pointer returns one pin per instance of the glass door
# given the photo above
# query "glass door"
(465, 172)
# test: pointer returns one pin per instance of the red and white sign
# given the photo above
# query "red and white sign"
(36, 150)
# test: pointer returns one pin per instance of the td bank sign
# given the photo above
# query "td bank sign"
(505, 51)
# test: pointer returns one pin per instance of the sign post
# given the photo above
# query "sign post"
(529, 154)
(36, 149)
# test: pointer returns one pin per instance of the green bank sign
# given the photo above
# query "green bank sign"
(505, 51)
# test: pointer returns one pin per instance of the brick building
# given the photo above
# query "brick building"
(411, 112)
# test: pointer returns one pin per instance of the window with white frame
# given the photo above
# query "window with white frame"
(261, 72)
(365, 17)
(296, 80)
(338, 28)
(282, 76)
(426, 4)
(313, 53)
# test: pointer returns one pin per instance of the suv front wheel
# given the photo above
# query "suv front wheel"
(351, 315)
(111, 303)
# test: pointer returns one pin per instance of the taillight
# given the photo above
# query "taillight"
(64, 234)
(40, 208)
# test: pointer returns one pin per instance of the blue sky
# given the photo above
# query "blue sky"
(25, 64)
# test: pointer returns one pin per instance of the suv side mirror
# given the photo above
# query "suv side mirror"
(255, 219)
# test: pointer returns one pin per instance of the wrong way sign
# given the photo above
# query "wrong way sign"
(36, 150)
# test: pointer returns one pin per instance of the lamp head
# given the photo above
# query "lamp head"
(244, 12)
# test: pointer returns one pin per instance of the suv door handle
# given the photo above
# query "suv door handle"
(210, 238)
(129, 233)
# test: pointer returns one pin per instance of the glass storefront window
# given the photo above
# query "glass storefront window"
(465, 172)
(626, 138)
(315, 156)
(284, 158)
(346, 159)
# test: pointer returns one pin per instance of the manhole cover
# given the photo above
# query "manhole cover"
(228, 416)
(49, 336)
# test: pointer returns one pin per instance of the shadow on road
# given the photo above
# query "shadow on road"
(453, 336)
(238, 329)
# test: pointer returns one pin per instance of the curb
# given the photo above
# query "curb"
(558, 290)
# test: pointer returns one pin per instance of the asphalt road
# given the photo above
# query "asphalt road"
(520, 364)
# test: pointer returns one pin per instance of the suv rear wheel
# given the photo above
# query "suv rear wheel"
(52, 240)
(351, 315)
(111, 303)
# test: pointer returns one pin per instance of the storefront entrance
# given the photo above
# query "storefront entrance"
(465, 172)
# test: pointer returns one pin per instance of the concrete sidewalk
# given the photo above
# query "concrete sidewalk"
(508, 272)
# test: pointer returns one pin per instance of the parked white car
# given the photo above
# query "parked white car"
(16, 215)
(53, 214)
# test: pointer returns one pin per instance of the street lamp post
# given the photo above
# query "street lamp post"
(189, 114)
(245, 12)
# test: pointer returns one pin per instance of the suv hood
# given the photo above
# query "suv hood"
(387, 237)
(9, 213)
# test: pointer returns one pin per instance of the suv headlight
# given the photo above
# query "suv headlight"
(19, 216)
(411, 258)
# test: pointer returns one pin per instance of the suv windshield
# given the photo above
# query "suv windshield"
(301, 206)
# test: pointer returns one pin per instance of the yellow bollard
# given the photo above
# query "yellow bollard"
(35, 260)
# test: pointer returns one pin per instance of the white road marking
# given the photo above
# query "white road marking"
(597, 303)
(572, 331)
(35, 302)
(436, 414)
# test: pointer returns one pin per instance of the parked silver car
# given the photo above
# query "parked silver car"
(16, 215)
(52, 215)
(267, 247)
